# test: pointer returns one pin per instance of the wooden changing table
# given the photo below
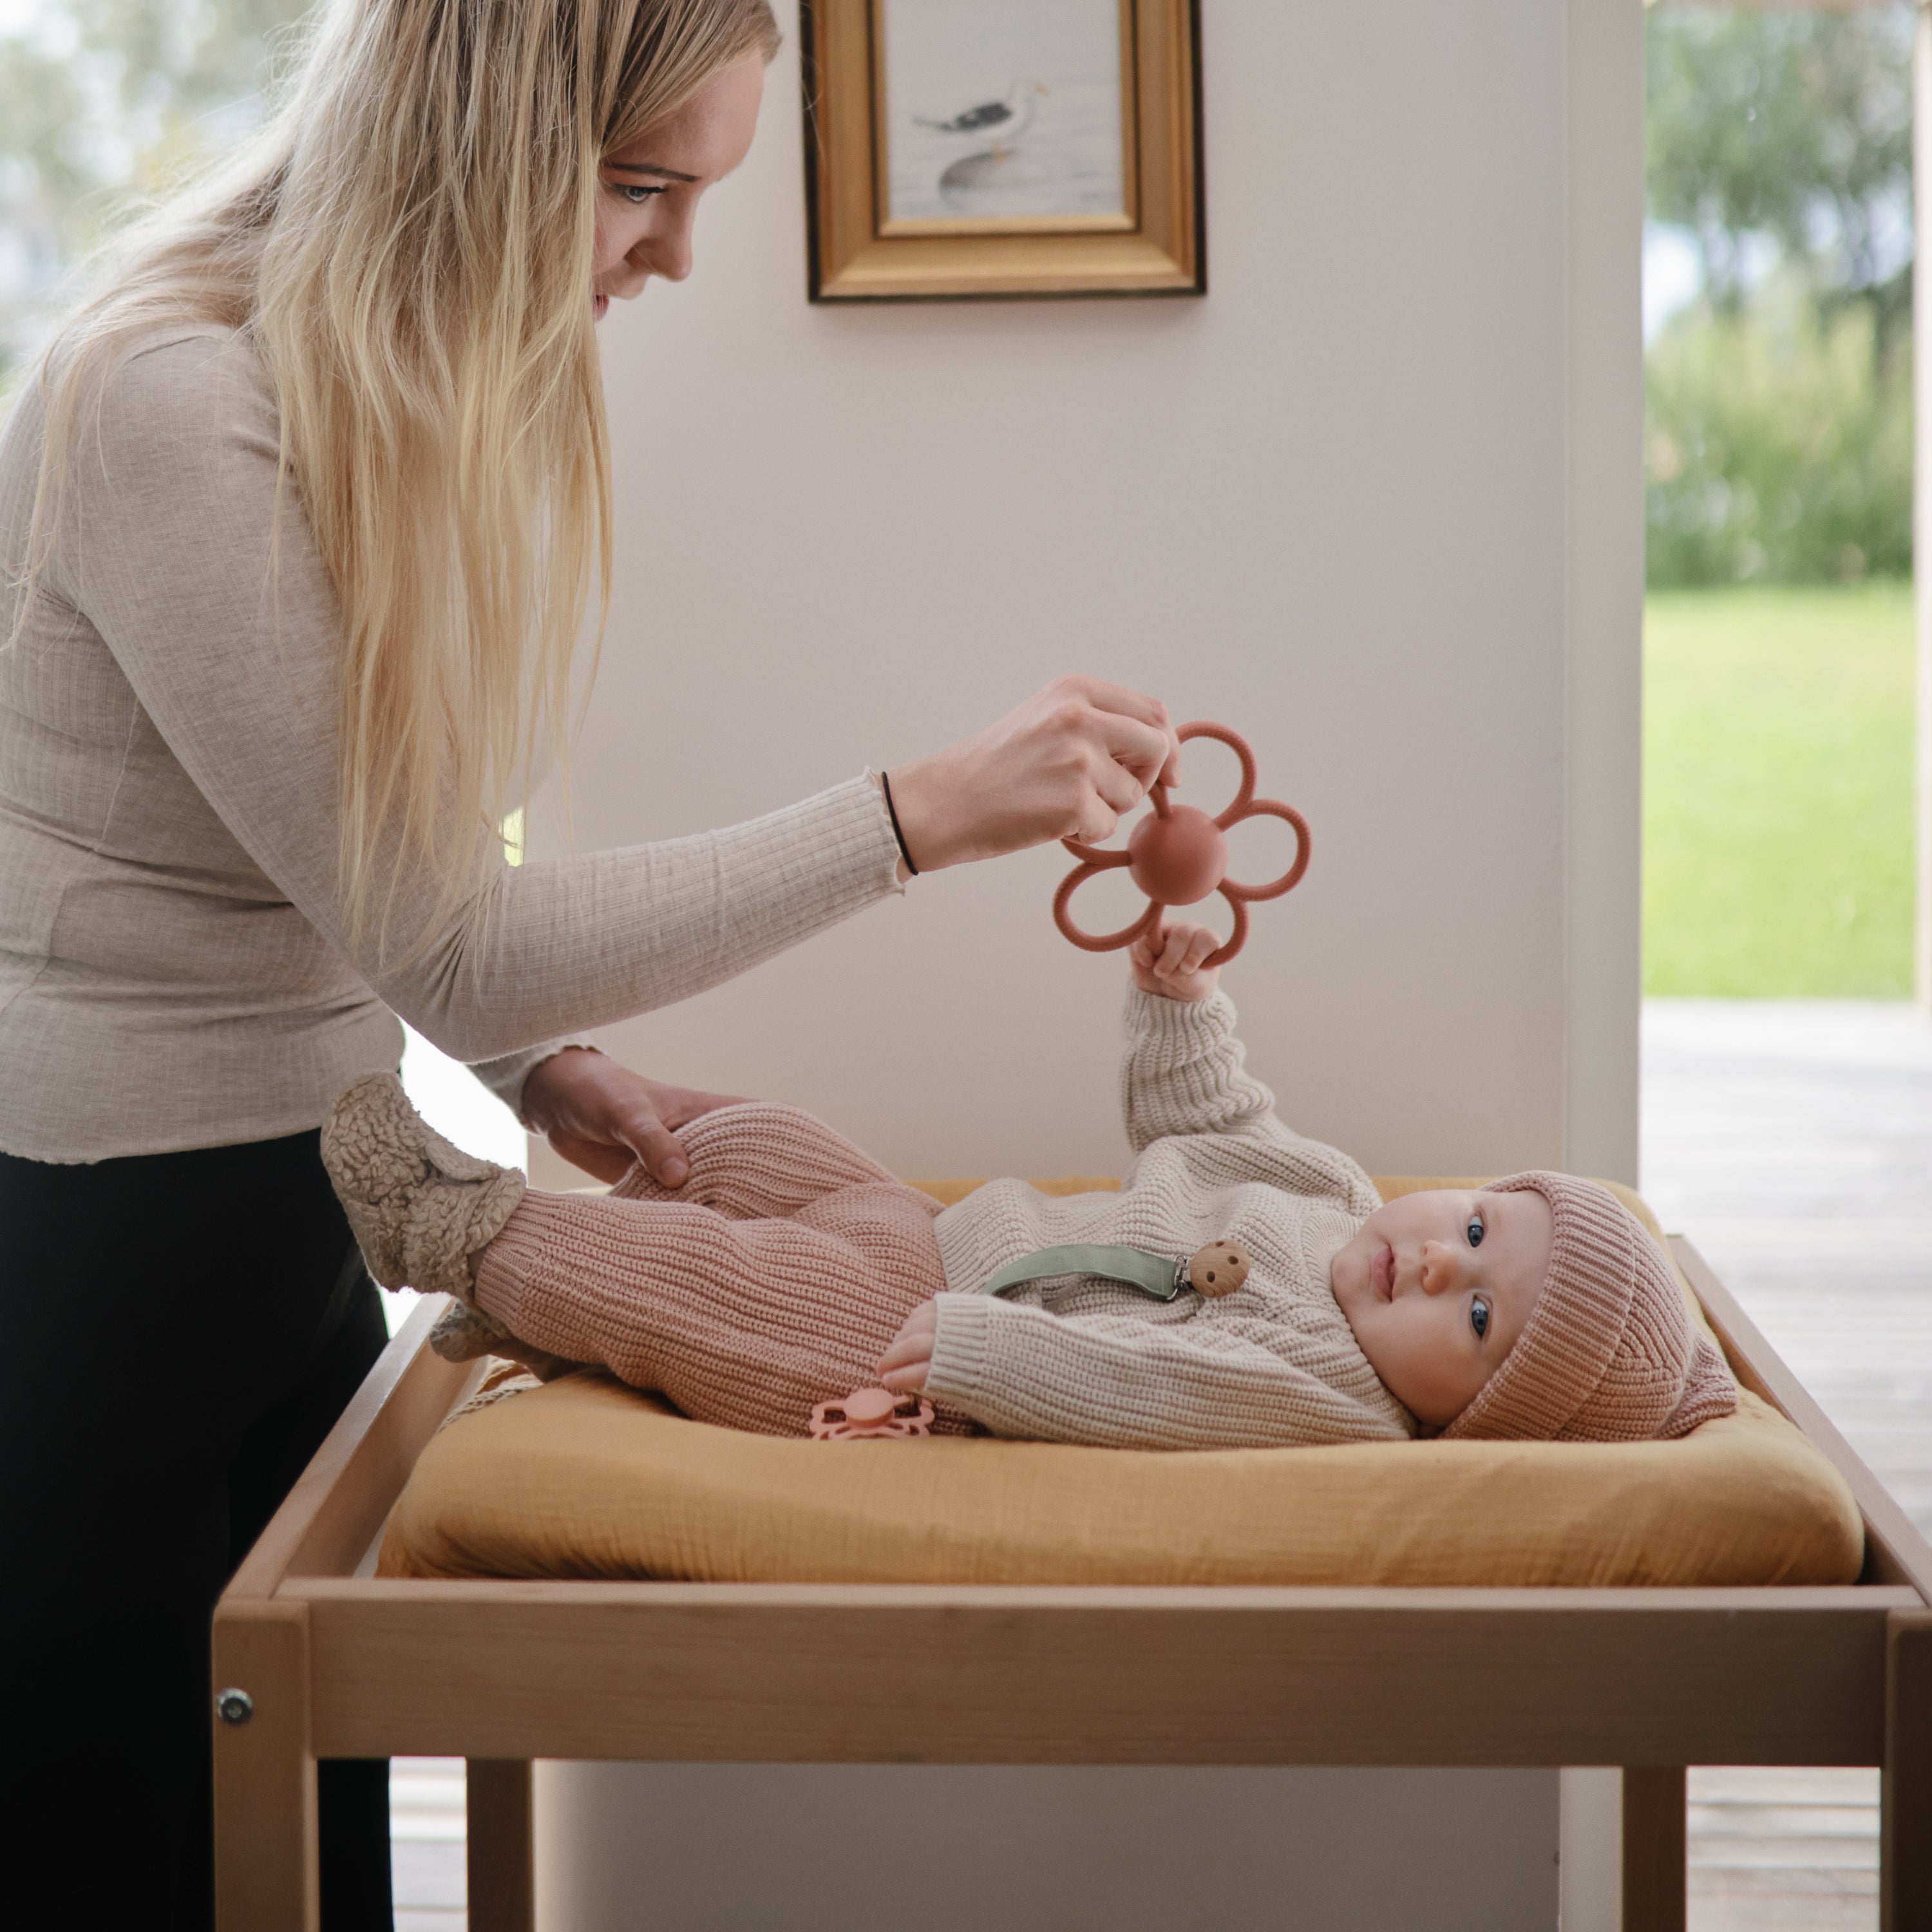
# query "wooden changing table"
(335, 1662)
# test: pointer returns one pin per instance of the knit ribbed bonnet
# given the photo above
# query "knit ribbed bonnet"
(1609, 1353)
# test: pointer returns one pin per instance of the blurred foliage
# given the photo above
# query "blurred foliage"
(103, 102)
(1779, 443)
(1791, 126)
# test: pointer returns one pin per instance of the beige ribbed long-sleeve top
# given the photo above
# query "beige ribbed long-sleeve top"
(176, 967)
(1079, 1360)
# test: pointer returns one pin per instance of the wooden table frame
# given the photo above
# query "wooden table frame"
(338, 1664)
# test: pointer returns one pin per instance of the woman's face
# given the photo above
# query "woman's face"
(647, 193)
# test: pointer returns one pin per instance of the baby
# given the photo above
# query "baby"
(791, 1269)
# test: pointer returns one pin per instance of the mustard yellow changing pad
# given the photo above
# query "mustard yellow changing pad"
(586, 1478)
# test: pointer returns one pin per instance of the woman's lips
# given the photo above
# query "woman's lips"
(599, 304)
(1382, 1270)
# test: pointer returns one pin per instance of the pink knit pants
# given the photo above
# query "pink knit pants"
(772, 1279)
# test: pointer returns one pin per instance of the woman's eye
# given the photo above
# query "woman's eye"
(1474, 1231)
(1479, 1318)
(636, 192)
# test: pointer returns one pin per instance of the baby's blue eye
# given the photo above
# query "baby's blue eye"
(1479, 1318)
(1474, 1231)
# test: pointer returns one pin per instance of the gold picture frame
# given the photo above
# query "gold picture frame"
(996, 223)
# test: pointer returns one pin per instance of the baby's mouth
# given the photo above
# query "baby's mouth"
(1382, 1272)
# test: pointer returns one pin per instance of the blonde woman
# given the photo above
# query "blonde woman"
(300, 522)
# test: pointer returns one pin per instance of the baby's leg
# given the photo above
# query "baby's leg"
(760, 1160)
(744, 1322)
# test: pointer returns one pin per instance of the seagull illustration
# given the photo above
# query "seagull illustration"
(1004, 122)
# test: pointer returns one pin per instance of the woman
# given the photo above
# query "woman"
(300, 524)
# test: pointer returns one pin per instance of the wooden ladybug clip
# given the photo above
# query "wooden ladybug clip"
(1178, 856)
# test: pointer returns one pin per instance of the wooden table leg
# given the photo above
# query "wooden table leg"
(502, 1876)
(1654, 1848)
(266, 1876)
(1905, 1854)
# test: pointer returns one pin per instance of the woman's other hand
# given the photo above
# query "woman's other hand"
(1169, 962)
(903, 1367)
(1068, 762)
(601, 1116)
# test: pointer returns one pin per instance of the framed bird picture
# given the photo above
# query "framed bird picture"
(972, 148)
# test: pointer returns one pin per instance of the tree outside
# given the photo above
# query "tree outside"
(1780, 398)
(102, 103)
(1780, 637)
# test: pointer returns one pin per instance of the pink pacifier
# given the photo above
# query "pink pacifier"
(871, 1414)
(1177, 855)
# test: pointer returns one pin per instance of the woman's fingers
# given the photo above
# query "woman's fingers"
(598, 1158)
(655, 1145)
(678, 1106)
(1071, 760)
(600, 1116)
(1135, 730)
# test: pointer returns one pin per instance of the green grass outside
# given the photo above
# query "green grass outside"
(1777, 792)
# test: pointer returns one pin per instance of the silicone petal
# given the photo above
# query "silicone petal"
(1089, 942)
(1273, 808)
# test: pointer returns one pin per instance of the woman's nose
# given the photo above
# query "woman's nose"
(667, 255)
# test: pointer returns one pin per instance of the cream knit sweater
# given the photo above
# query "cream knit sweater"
(1078, 1359)
(176, 969)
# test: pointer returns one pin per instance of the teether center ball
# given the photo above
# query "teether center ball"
(1178, 856)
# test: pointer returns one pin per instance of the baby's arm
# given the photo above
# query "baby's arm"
(1182, 1071)
(1115, 1381)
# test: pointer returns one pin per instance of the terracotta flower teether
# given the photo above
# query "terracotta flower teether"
(1177, 855)
(869, 1414)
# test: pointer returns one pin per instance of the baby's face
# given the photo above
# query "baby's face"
(1438, 1286)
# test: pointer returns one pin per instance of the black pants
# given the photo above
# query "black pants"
(177, 1333)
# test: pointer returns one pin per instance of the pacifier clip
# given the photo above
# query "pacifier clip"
(877, 1415)
(1218, 1269)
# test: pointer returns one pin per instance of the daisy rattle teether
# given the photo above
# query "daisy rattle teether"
(1178, 856)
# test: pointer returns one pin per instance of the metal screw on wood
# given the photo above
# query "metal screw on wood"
(234, 1707)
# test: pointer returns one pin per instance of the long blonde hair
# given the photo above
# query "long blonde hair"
(408, 245)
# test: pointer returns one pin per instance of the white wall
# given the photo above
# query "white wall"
(1375, 499)
(786, 1848)
(1326, 503)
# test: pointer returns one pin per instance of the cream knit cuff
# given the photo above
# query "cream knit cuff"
(1153, 1016)
(960, 1345)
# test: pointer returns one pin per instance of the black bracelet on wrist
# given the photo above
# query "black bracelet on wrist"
(892, 812)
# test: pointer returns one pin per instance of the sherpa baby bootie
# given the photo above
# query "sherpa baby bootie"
(420, 1206)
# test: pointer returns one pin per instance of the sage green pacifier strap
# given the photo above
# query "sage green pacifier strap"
(1159, 1275)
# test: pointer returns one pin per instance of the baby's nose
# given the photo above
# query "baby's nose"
(1442, 1267)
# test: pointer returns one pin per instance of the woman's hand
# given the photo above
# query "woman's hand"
(1168, 963)
(1068, 762)
(903, 1367)
(601, 1117)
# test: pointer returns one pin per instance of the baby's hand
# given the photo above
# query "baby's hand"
(902, 1368)
(1169, 962)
